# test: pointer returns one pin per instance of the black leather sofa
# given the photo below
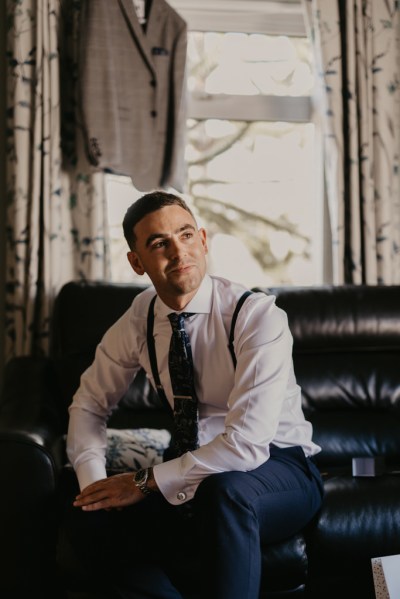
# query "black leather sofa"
(347, 361)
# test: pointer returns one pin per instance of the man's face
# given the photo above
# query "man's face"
(171, 250)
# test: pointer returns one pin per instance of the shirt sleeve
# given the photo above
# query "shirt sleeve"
(102, 386)
(264, 380)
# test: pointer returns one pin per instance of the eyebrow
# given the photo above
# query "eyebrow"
(154, 236)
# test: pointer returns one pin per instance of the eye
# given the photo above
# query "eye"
(159, 244)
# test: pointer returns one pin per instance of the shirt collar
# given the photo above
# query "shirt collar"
(199, 304)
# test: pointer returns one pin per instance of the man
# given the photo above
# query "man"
(249, 475)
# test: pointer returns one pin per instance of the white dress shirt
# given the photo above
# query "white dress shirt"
(241, 411)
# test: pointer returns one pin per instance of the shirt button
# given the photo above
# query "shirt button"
(181, 496)
(153, 113)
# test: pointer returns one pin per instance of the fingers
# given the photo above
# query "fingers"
(110, 493)
(100, 505)
(93, 499)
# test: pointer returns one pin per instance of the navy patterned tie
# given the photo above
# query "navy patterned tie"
(185, 435)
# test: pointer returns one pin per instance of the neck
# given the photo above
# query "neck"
(177, 303)
(176, 297)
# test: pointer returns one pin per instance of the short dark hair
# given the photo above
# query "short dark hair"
(150, 202)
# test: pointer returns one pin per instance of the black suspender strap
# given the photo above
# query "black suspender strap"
(152, 350)
(240, 303)
(152, 356)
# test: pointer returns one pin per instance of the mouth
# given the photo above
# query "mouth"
(180, 269)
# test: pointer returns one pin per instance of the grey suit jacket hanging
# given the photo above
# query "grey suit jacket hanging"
(132, 91)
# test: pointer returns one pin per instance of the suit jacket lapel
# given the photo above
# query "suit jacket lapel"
(137, 31)
(157, 12)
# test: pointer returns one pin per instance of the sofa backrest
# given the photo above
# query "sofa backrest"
(83, 311)
(347, 361)
(346, 354)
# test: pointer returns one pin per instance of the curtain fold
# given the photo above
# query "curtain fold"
(56, 211)
(356, 47)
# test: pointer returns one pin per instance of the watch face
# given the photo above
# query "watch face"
(140, 477)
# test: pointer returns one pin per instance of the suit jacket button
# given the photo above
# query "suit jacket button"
(153, 113)
(181, 496)
(153, 83)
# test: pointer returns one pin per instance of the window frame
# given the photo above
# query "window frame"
(285, 17)
(282, 17)
(271, 17)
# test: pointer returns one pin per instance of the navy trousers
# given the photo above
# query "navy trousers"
(144, 551)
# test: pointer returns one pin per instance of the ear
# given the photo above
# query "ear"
(203, 237)
(135, 263)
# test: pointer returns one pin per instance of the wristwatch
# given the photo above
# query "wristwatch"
(141, 479)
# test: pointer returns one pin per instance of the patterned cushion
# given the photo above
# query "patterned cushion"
(131, 449)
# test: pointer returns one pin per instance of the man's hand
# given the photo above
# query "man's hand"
(114, 492)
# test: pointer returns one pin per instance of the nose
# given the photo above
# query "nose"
(176, 248)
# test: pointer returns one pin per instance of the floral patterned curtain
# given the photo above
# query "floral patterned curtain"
(356, 45)
(56, 216)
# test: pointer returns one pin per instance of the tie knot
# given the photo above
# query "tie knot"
(178, 320)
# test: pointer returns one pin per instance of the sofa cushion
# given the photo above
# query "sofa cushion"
(359, 519)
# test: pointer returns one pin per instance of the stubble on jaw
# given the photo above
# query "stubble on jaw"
(185, 288)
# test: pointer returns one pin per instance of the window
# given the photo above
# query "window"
(253, 150)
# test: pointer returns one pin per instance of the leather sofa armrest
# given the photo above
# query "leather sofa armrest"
(31, 456)
(30, 411)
